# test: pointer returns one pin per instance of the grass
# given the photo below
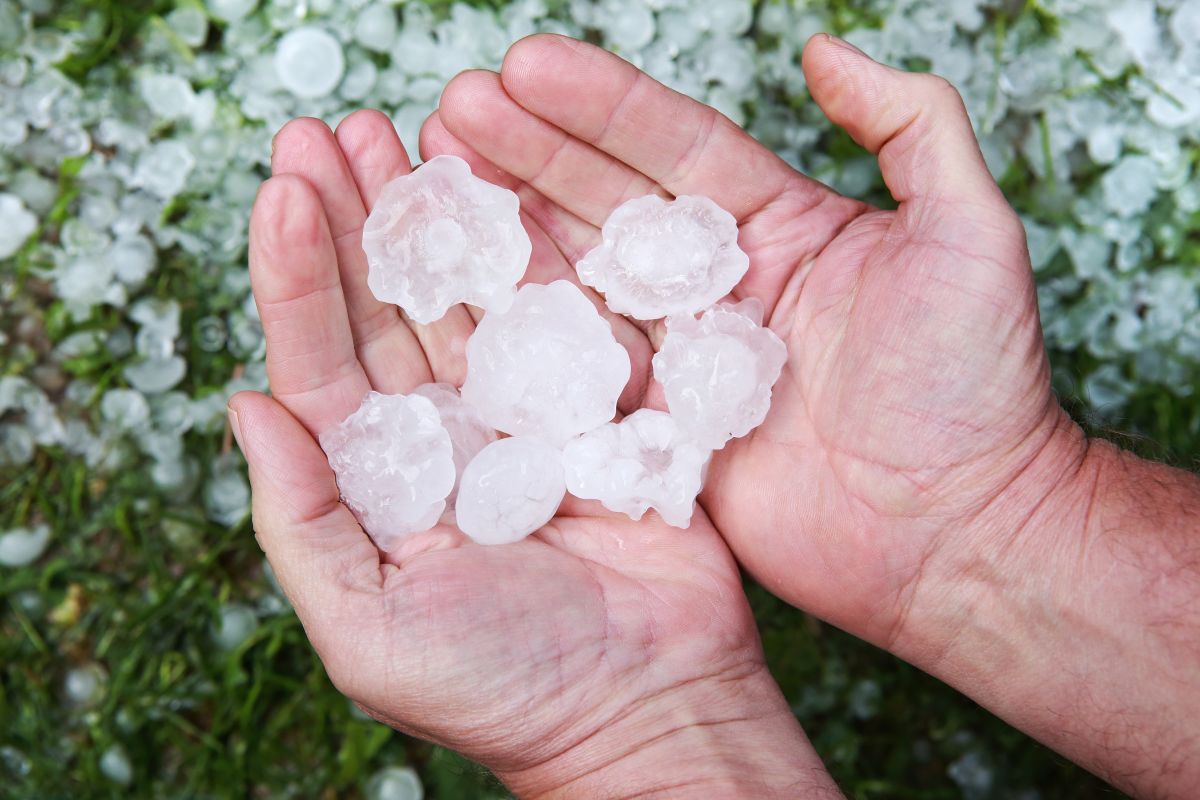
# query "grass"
(134, 583)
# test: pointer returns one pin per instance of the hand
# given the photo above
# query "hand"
(916, 387)
(599, 655)
(916, 481)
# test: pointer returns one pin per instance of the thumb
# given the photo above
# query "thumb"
(322, 558)
(915, 123)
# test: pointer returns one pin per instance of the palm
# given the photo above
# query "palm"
(879, 420)
(529, 648)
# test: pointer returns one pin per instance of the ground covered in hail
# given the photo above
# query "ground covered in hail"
(144, 647)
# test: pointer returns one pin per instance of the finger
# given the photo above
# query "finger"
(375, 156)
(322, 558)
(386, 348)
(311, 363)
(916, 123)
(585, 181)
(685, 146)
(549, 261)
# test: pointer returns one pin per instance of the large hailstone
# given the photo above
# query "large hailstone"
(309, 62)
(549, 367)
(468, 432)
(644, 461)
(660, 257)
(717, 371)
(440, 236)
(511, 489)
(394, 465)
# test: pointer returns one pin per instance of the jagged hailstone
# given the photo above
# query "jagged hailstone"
(468, 432)
(441, 236)
(549, 367)
(511, 489)
(660, 257)
(394, 465)
(644, 461)
(309, 62)
(717, 371)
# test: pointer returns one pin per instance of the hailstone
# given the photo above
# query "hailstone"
(549, 367)
(394, 465)
(643, 461)
(468, 432)
(717, 371)
(511, 489)
(441, 236)
(659, 257)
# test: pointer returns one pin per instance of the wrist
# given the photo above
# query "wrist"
(1070, 606)
(723, 737)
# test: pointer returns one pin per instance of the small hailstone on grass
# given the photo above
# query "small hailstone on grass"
(21, 546)
(394, 783)
(394, 464)
(309, 62)
(660, 257)
(549, 367)
(441, 236)
(19, 224)
(235, 624)
(83, 686)
(644, 461)
(717, 371)
(115, 766)
(468, 432)
(511, 489)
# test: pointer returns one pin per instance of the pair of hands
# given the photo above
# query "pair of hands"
(913, 422)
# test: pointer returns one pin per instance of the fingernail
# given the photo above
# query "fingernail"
(840, 42)
(236, 428)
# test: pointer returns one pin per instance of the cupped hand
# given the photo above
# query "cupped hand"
(599, 652)
(916, 393)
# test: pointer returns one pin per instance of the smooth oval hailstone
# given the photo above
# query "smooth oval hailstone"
(469, 433)
(549, 367)
(441, 236)
(394, 465)
(717, 371)
(660, 257)
(309, 62)
(511, 489)
(644, 461)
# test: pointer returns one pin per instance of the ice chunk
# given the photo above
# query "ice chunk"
(468, 432)
(512, 488)
(717, 371)
(549, 367)
(309, 62)
(394, 465)
(660, 257)
(114, 765)
(1130, 186)
(19, 224)
(235, 624)
(441, 236)
(231, 10)
(21, 546)
(644, 461)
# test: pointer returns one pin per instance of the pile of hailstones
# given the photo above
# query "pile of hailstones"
(544, 367)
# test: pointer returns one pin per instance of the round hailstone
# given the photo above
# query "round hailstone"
(468, 432)
(512, 488)
(644, 461)
(375, 28)
(549, 367)
(394, 465)
(660, 257)
(309, 62)
(441, 236)
(717, 371)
